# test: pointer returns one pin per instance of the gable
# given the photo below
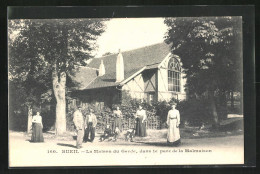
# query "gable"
(135, 60)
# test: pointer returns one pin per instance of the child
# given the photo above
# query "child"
(116, 133)
(130, 134)
(107, 133)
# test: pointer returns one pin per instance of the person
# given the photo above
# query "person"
(37, 127)
(78, 120)
(117, 120)
(90, 125)
(116, 133)
(107, 133)
(173, 122)
(140, 122)
(130, 134)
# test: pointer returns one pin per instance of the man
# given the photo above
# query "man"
(90, 125)
(78, 120)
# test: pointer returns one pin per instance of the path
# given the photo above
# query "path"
(53, 152)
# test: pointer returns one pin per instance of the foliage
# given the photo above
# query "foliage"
(210, 49)
(42, 49)
(194, 112)
(107, 54)
(155, 111)
(41, 42)
(36, 44)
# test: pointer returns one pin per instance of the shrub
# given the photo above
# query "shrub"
(194, 111)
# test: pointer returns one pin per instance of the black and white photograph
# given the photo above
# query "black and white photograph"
(125, 91)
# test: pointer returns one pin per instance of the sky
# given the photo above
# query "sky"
(130, 33)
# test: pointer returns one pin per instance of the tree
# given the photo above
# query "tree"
(107, 54)
(48, 49)
(211, 52)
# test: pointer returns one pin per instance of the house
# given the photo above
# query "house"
(149, 73)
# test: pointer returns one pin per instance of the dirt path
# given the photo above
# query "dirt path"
(144, 151)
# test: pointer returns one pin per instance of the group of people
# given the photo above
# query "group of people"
(85, 127)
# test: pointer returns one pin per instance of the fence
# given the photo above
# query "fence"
(152, 122)
(127, 123)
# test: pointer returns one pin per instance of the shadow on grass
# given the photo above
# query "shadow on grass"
(66, 145)
(236, 125)
(164, 144)
(160, 144)
(29, 140)
(48, 132)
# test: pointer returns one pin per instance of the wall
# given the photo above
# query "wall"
(135, 87)
(162, 77)
(149, 77)
(142, 84)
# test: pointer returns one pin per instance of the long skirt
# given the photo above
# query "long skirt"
(173, 136)
(117, 123)
(140, 128)
(37, 135)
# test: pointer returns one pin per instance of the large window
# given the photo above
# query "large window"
(174, 75)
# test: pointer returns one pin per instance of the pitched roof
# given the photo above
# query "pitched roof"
(134, 60)
(82, 77)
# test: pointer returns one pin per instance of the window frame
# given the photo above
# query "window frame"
(174, 75)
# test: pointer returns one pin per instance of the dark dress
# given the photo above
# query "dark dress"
(37, 135)
(117, 121)
(140, 127)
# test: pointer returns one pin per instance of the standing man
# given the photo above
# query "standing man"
(79, 123)
(90, 125)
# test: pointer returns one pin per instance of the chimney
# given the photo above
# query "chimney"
(119, 67)
(101, 70)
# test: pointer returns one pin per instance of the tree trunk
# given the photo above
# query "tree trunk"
(29, 124)
(60, 124)
(223, 104)
(213, 110)
(59, 85)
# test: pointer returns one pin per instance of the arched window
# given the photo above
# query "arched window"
(174, 72)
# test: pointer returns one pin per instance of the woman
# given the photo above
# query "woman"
(117, 120)
(37, 128)
(173, 122)
(140, 122)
